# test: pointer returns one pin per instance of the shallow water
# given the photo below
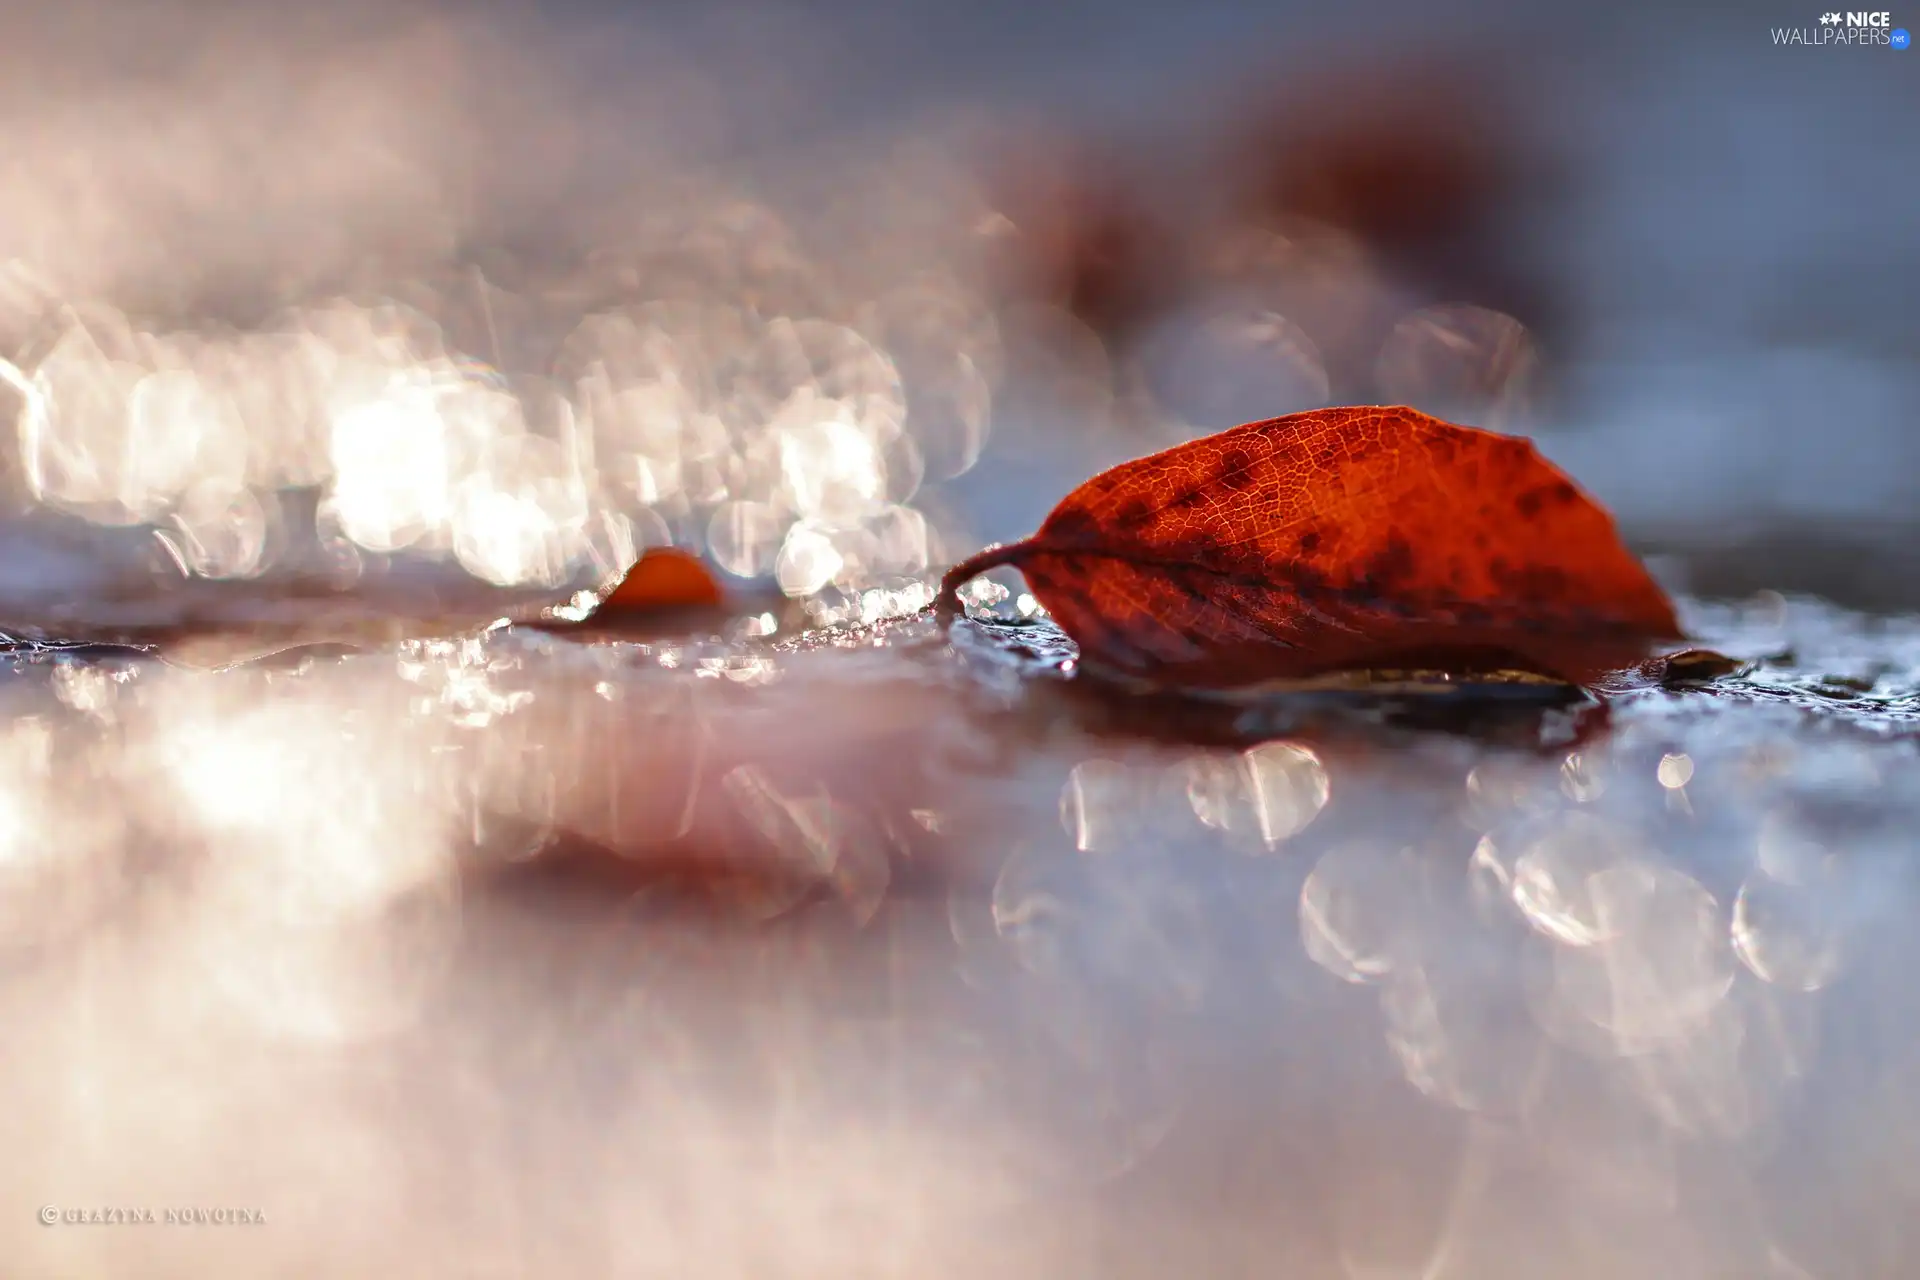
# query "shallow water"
(859, 952)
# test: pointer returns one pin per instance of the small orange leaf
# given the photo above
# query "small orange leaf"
(663, 578)
(1335, 540)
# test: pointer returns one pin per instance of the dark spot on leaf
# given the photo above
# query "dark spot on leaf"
(1236, 470)
(1391, 566)
(1071, 522)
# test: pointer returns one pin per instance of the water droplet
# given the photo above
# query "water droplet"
(1675, 771)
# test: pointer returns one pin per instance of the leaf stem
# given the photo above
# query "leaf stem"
(946, 605)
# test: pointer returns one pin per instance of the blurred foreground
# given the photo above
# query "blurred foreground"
(518, 956)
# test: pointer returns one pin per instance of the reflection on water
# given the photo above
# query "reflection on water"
(474, 948)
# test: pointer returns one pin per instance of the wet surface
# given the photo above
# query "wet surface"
(346, 881)
(517, 952)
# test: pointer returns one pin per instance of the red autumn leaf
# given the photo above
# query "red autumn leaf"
(663, 578)
(1336, 540)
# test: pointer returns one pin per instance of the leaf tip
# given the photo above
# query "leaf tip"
(662, 578)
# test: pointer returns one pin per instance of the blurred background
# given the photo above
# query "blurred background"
(501, 954)
(297, 296)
